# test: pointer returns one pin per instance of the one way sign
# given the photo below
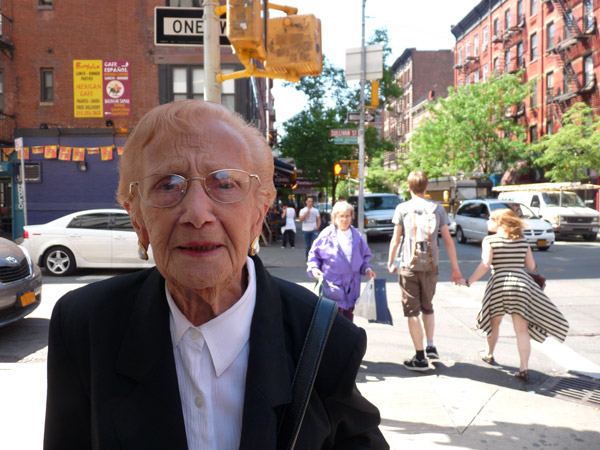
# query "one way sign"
(183, 26)
(354, 117)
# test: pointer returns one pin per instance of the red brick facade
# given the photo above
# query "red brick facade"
(556, 42)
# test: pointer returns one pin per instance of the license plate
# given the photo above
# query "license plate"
(542, 242)
(27, 298)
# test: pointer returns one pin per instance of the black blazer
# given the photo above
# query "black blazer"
(112, 382)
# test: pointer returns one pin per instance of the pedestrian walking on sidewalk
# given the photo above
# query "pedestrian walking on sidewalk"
(340, 255)
(417, 222)
(510, 290)
(311, 221)
(289, 229)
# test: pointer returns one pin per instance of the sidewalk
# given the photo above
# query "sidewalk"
(463, 403)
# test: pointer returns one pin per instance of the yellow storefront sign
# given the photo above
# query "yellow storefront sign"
(87, 88)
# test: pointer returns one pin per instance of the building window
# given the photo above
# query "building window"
(485, 73)
(520, 59)
(533, 7)
(476, 45)
(507, 19)
(188, 83)
(47, 85)
(485, 42)
(496, 27)
(520, 15)
(476, 76)
(568, 25)
(507, 61)
(566, 80)
(496, 66)
(45, 2)
(588, 74)
(533, 134)
(467, 49)
(549, 36)
(550, 85)
(533, 97)
(588, 15)
(460, 58)
(533, 47)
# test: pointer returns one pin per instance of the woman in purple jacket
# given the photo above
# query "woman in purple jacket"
(340, 255)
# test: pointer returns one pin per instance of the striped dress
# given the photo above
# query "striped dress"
(511, 291)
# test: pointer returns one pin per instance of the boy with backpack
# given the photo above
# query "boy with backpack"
(417, 222)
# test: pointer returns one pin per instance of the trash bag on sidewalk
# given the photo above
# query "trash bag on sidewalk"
(383, 312)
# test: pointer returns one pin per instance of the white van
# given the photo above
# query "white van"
(568, 216)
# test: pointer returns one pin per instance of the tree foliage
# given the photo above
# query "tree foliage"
(329, 99)
(472, 130)
(574, 148)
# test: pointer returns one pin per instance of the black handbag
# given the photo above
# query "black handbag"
(306, 372)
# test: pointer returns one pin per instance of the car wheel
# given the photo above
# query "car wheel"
(460, 236)
(59, 261)
(543, 249)
(590, 237)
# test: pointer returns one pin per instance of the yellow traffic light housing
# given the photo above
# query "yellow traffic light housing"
(246, 27)
(294, 45)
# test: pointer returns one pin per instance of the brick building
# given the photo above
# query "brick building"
(555, 42)
(423, 75)
(75, 77)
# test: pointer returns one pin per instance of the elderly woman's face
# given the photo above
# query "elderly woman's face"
(200, 243)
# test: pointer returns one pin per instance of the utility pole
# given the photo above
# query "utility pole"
(361, 130)
(212, 56)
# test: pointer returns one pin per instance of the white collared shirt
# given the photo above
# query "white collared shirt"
(211, 362)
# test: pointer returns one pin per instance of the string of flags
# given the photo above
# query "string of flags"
(63, 153)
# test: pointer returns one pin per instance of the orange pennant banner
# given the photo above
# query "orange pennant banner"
(78, 154)
(50, 151)
(107, 153)
(93, 150)
(64, 154)
(37, 150)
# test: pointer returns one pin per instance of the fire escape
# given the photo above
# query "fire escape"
(564, 54)
(7, 121)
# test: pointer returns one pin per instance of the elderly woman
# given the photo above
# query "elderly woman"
(200, 351)
(340, 255)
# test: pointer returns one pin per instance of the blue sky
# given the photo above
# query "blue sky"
(423, 24)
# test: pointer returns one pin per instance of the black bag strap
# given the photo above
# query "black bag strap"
(306, 372)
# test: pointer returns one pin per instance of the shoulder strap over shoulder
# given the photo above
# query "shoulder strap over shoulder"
(306, 372)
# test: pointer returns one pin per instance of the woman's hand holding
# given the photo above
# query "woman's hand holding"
(316, 273)
(392, 268)
(371, 274)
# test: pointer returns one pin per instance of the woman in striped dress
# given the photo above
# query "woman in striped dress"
(510, 290)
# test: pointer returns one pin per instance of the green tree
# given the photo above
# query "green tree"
(573, 149)
(473, 129)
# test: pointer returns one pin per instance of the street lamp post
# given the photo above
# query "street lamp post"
(361, 129)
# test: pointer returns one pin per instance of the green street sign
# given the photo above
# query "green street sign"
(345, 140)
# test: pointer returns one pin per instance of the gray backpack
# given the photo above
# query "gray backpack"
(419, 227)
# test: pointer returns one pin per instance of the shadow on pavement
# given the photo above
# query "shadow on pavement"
(22, 339)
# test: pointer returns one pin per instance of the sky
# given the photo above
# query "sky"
(423, 24)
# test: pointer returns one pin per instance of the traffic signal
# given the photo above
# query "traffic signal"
(245, 27)
(294, 45)
(273, 138)
(340, 169)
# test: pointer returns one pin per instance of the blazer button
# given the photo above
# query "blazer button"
(199, 401)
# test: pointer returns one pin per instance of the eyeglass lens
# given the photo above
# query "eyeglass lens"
(224, 186)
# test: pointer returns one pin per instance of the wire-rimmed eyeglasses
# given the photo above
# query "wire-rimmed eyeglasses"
(167, 190)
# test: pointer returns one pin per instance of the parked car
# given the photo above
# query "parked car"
(472, 216)
(379, 212)
(95, 238)
(20, 283)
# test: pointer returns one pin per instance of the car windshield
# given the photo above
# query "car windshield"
(384, 202)
(568, 199)
(522, 211)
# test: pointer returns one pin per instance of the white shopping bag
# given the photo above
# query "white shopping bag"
(365, 305)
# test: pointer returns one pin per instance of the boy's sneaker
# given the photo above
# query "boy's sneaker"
(431, 352)
(419, 365)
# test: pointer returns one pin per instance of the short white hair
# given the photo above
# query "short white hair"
(341, 207)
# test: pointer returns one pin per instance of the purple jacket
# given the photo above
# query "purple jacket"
(341, 278)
